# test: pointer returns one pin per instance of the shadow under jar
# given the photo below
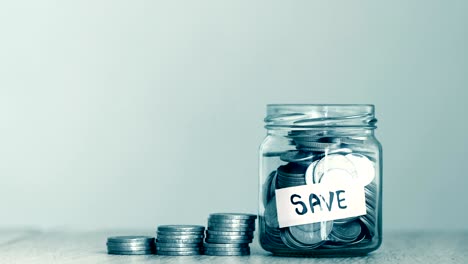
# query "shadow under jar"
(320, 181)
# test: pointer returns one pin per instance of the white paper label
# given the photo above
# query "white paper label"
(314, 203)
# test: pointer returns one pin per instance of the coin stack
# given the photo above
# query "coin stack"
(130, 245)
(229, 234)
(321, 159)
(180, 240)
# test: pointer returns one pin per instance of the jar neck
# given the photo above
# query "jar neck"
(325, 132)
(332, 120)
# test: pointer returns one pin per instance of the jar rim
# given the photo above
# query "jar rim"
(303, 116)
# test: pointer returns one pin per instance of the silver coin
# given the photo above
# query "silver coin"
(309, 173)
(230, 233)
(172, 240)
(246, 249)
(139, 252)
(130, 239)
(130, 244)
(271, 215)
(347, 232)
(236, 229)
(128, 248)
(211, 245)
(229, 237)
(232, 216)
(273, 154)
(267, 186)
(295, 156)
(368, 224)
(178, 249)
(312, 237)
(179, 236)
(364, 167)
(352, 141)
(221, 253)
(175, 253)
(231, 221)
(178, 245)
(333, 161)
(292, 242)
(227, 241)
(181, 228)
(317, 145)
(291, 170)
(307, 227)
(224, 225)
(179, 233)
(345, 220)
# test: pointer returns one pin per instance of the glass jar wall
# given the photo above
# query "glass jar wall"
(320, 181)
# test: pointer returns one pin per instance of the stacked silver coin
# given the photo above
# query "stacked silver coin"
(180, 240)
(130, 245)
(320, 158)
(229, 234)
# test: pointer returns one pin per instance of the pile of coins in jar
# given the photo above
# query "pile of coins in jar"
(319, 158)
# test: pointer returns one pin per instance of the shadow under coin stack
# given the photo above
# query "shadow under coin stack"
(180, 240)
(130, 245)
(229, 234)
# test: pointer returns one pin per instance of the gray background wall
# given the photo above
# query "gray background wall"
(137, 113)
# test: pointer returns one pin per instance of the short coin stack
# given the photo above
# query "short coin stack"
(180, 240)
(130, 245)
(229, 234)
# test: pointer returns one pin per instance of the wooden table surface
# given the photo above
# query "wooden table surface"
(32, 246)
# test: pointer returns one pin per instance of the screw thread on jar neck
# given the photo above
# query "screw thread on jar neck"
(343, 118)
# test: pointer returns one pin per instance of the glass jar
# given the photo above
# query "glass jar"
(320, 181)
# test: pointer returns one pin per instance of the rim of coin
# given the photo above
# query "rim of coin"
(228, 241)
(180, 233)
(231, 221)
(223, 225)
(175, 253)
(130, 248)
(227, 250)
(220, 254)
(159, 249)
(291, 242)
(271, 215)
(311, 237)
(291, 170)
(364, 167)
(179, 245)
(267, 186)
(138, 252)
(317, 145)
(130, 244)
(176, 228)
(213, 245)
(230, 233)
(229, 237)
(232, 216)
(180, 236)
(347, 232)
(296, 156)
(308, 176)
(333, 161)
(188, 241)
(223, 228)
(128, 239)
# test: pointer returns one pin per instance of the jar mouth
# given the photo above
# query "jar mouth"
(316, 116)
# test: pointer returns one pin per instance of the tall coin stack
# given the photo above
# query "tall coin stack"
(130, 245)
(180, 240)
(229, 234)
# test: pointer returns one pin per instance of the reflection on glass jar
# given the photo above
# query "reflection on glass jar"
(320, 181)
